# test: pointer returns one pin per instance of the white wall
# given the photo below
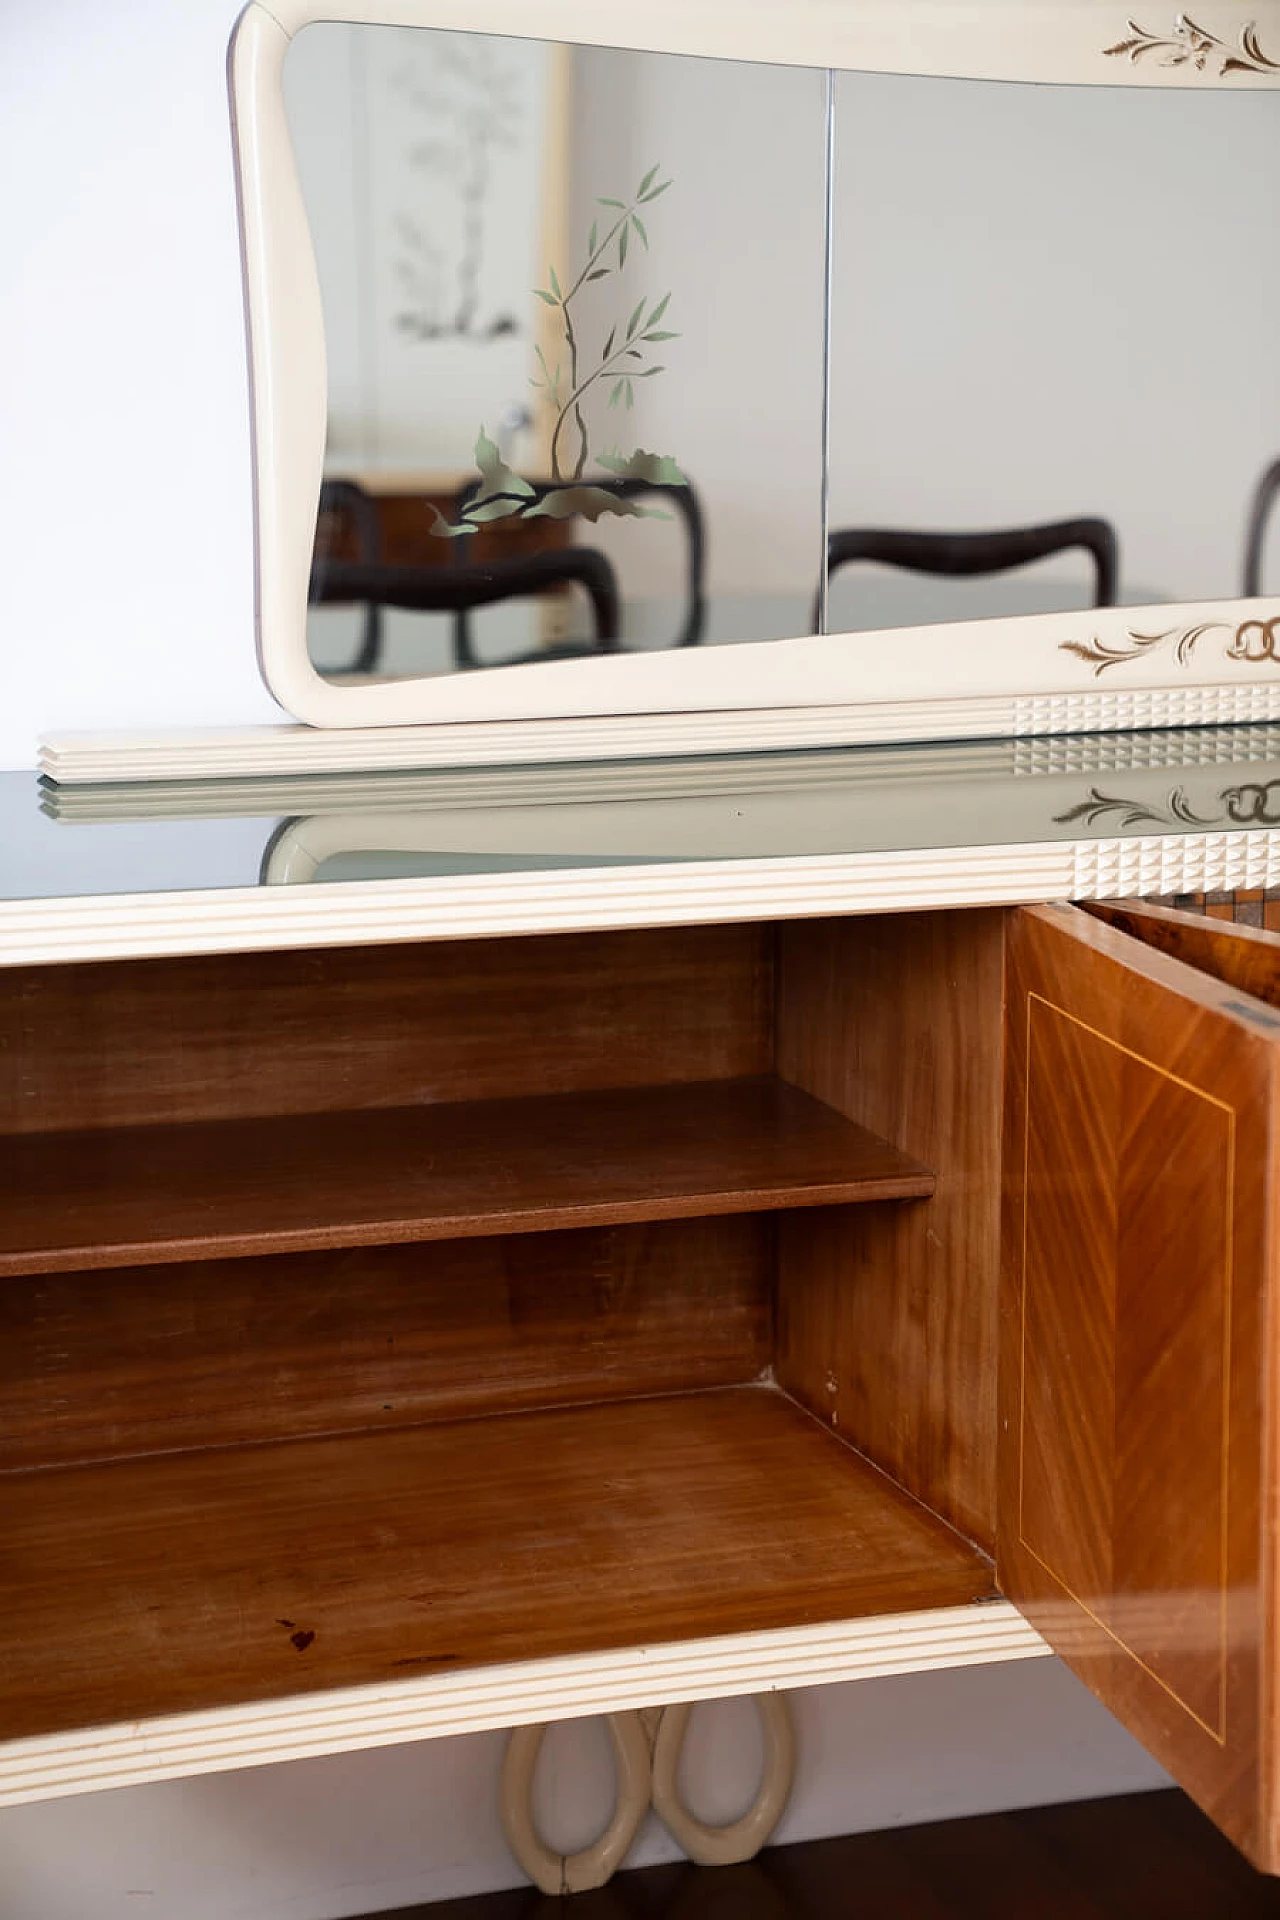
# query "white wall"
(127, 585)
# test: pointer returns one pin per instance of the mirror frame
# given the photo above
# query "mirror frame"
(1095, 670)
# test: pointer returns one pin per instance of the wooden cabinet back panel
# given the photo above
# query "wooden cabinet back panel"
(887, 1315)
(231, 1352)
(127, 1043)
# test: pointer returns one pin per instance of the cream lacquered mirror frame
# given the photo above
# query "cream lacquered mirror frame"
(1050, 673)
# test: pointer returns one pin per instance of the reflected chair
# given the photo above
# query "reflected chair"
(339, 500)
(446, 583)
(684, 499)
(1264, 498)
(998, 550)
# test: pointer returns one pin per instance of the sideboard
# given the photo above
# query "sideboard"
(541, 1281)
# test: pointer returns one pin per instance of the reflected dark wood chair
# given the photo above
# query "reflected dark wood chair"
(446, 583)
(684, 499)
(999, 550)
(1264, 499)
(461, 589)
(346, 500)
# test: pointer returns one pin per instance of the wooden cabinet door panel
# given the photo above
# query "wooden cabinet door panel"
(1244, 957)
(1136, 1395)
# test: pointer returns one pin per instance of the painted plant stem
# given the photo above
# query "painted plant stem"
(502, 494)
(627, 221)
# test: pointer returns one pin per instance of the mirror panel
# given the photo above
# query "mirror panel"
(1052, 303)
(574, 306)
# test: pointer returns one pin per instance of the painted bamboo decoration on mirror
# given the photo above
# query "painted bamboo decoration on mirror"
(574, 387)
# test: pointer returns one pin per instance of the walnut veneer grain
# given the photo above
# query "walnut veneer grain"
(232, 1352)
(1241, 956)
(1135, 1369)
(887, 1318)
(195, 1580)
(208, 1190)
(128, 1043)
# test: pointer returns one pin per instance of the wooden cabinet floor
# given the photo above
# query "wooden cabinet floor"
(1148, 1856)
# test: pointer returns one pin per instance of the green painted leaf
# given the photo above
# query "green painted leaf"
(659, 468)
(638, 224)
(475, 514)
(566, 503)
(608, 345)
(649, 373)
(660, 335)
(634, 353)
(496, 475)
(615, 396)
(497, 509)
(611, 203)
(647, 182)
(660, 309)
(555, 284)
(645, 197)
(622, 246)
(591, 237)
(634, 321)
(600, 273)
(441, 529)
(631, 396)
(548, 297)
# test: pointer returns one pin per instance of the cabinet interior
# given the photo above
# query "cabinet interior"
(386, 1311)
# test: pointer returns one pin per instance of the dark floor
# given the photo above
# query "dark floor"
(1134, 1858)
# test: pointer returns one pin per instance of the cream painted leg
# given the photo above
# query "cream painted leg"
(558, 1873)
(741, 1839)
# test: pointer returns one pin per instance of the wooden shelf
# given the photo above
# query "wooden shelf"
(206, 1190)
(187, 1581)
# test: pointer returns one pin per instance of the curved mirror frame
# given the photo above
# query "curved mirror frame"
(1115, 667)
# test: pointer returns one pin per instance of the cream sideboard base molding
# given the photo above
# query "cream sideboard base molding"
(674, 893)
(236, 752)
(349, 1719)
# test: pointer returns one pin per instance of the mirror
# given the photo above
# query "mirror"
(1052, 305)
(574, 312)
(585, 375)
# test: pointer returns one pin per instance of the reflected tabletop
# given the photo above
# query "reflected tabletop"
(285, 832)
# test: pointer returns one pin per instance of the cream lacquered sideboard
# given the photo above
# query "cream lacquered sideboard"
(487, 1247)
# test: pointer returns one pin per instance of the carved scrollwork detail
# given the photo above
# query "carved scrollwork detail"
(1253, 641)
(1192, 45)
(1250, 803)
(1254, 803)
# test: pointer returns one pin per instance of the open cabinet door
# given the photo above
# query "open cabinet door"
(1135, 1521)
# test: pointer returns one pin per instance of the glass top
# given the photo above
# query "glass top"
(66, 842)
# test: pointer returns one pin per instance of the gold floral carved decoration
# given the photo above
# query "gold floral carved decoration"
(1253, 641)
(1252, 803)
(1191, 45)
